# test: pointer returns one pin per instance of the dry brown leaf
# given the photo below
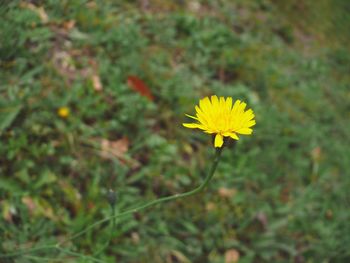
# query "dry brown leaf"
(194, 6)
(91, 5)
(135, 237)
(231, 256)
(177, 256)
(210, 206)
(112, 149)
(39, 10)
(68, 25)
(96, 82)
(227, 192)
(138, 85)
(29, 202)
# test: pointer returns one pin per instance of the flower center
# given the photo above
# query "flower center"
(221, 123)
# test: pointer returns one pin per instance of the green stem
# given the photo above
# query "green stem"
(113, 216)
(157, 201)
(72, 253)
(127, 212)
(106, 245)
(26, 251)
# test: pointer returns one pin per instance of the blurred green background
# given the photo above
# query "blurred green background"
(93, 94)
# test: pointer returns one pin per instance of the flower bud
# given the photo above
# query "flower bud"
(111, 197)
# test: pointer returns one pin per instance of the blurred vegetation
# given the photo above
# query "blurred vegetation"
(280, 196)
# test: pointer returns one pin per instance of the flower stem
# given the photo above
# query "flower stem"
(127, 212)
(157, 201)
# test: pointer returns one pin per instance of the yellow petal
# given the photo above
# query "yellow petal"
(248, 115)
(204, 104)
(192, 125)
(191, 116)
(250, 123)
(203, 118)
(232, 135)
(222, 102)
(229, 103)
(198, 110)
(215, 101)
(219, 140)
(241, 107)
(235, 106)
(245, 131)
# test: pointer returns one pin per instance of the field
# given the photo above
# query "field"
(93, 95)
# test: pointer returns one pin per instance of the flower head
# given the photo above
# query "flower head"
(63, 112)
(218, 116)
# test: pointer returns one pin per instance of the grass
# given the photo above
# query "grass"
(280, 195)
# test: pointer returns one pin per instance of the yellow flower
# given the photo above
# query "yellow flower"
(217, 116)
(63, 112)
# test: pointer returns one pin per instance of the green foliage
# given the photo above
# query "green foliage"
(280, 195)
